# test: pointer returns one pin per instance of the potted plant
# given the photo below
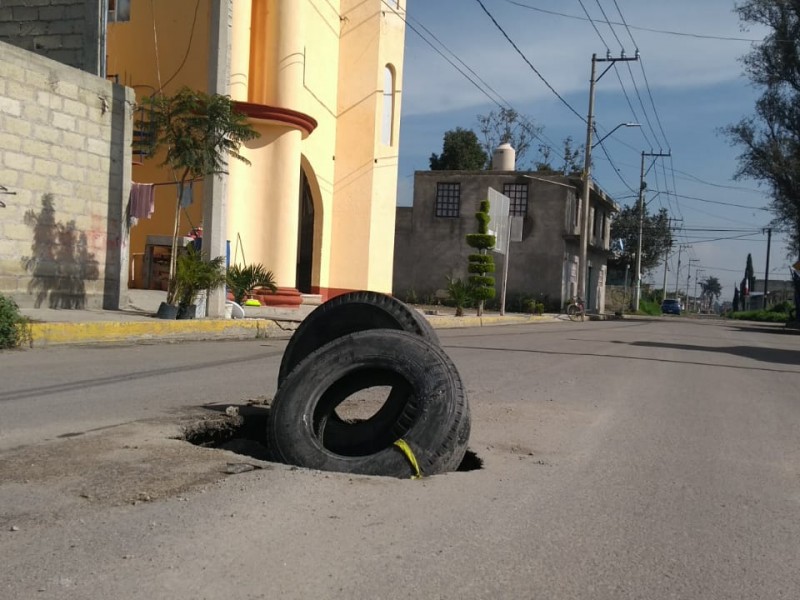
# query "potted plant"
(197, 132)
(243, 279)
(193, 275)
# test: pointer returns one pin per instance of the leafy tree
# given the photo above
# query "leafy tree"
(656, 238)
(711, 289)
(481, 264)
(198, 133)
(507, 125)
(770, 139)
(461, 151)
(749, 273)
(572, 158)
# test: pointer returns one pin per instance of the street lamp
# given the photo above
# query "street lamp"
(602, 139)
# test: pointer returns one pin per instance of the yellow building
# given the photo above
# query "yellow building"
(320, 80)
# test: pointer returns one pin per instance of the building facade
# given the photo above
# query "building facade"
(545, 243)
(320, 81)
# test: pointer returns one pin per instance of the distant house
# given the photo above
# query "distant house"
(543, 260)
(777, 291)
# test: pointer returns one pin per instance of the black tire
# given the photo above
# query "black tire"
(430, 409)
(348, 313)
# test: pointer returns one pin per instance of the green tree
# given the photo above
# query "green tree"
(198, 132)
(711, 290)
(750, 273)
(770, 139)
(656, 238)
(461, 151)
(571, 164)
(507, 125)
(481, 264)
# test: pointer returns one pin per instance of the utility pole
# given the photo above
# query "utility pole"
(689, 278)
(642, 185)
(766, 271)
(666, 260)
(696, 281)
(583, 219)
(678, 270)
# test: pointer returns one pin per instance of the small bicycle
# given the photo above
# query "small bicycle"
(576, 310)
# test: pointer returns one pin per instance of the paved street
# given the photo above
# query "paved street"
(621, 459)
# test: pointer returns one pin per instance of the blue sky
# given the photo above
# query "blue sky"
(696, 85)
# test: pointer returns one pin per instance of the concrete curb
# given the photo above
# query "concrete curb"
(452, 322)
(52, 334)
(44, 334)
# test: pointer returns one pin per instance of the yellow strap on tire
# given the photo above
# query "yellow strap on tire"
(409, 453)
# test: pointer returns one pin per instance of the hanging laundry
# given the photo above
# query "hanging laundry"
(188, 196)
(142, 200)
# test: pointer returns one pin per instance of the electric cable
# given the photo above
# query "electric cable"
(529, 63)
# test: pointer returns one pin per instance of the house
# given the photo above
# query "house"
(65, 159)
(543, 254)
(320, 80)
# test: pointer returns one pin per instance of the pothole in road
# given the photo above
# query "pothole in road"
(242, 429)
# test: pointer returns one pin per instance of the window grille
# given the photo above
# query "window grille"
(448, 199)
(518, 198)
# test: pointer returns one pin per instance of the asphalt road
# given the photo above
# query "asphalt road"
(625, 459)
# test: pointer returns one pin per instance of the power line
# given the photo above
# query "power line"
(652, 102)
(628, 29)
(596, 30)
(498, 100)
(641, 28)
(529, 63)
(630, 105)
(614, 33)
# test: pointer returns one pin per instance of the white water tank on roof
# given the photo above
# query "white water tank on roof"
(504, 158)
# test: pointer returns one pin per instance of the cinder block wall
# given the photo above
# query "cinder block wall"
(67, 31)
(65, 139)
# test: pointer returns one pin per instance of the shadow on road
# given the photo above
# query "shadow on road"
(793, 362)
(771, 355)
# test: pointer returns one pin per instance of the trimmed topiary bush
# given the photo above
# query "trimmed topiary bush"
(14, 328)
(481, 264)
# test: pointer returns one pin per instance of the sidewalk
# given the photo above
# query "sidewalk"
(136, 323)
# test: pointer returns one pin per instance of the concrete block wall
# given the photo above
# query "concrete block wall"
(67, 31)
(65, 153)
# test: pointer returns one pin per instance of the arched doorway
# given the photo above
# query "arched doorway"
(305, 238)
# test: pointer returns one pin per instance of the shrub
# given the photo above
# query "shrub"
(14, 328)
(459, 293)
(242, 279)
(481, 264)
(650, 307)
(766, 316)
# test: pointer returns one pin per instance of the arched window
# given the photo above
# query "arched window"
(387, 134)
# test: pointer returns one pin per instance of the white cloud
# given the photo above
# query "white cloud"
(561, 50)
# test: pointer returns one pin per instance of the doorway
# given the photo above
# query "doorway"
(305, 240)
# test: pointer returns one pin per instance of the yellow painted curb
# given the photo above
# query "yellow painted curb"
(44, 334)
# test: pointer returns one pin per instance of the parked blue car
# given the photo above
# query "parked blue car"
(671, 306)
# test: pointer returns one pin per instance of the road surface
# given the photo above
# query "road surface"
(623, 459)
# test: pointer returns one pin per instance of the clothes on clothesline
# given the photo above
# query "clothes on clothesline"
(142, 200)
(188, 196)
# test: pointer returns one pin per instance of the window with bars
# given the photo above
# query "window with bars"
(448, 199)
(518, 197)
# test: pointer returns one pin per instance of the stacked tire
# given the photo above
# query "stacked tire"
(354, 342)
